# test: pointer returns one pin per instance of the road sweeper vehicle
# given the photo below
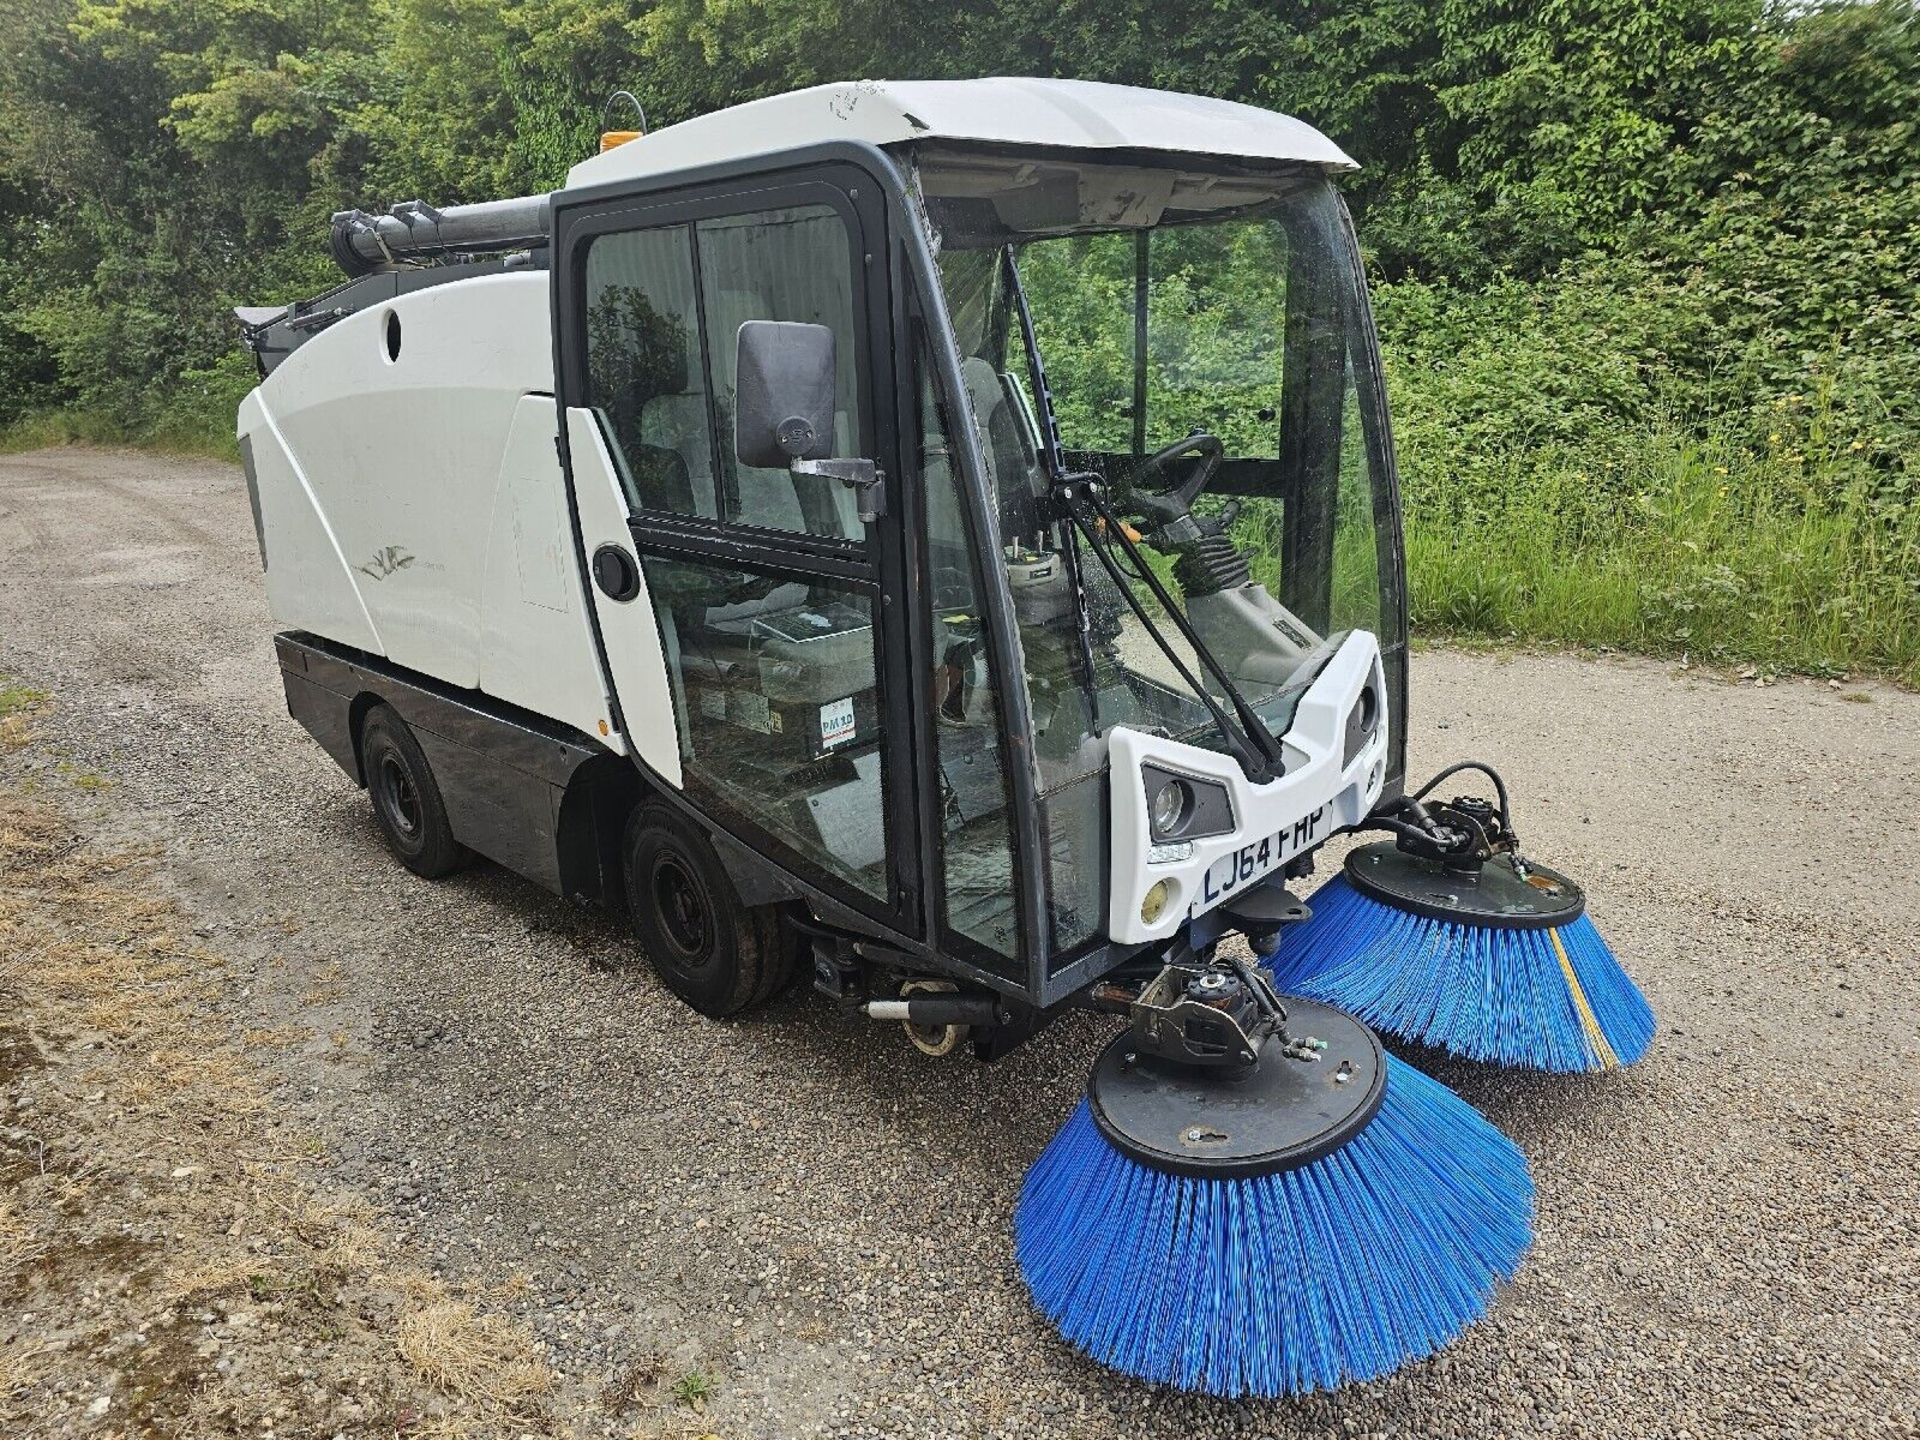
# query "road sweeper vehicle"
(943, 539)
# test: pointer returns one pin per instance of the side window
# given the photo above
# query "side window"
(775, 691)
(664, 309)
(643, 367)
(976, 845)
(787, 264)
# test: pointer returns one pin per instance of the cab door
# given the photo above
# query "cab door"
(743, 605)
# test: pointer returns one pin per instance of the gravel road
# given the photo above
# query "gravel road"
(807, 1209)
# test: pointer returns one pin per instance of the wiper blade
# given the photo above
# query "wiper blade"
(1052, 454)
(1054, 459)
(1252, 763)
(1253, 744)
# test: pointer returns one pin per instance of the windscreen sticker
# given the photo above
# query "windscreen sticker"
(837, 724)
(749, 710)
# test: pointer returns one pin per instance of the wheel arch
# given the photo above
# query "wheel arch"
(361, 706)
(590, 821)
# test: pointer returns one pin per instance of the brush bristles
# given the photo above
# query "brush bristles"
(1344, 1269)
(1486, 993)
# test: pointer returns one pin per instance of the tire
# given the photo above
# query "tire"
(406, 799)
(718, 955)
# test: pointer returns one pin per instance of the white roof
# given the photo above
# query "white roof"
(1071, 114)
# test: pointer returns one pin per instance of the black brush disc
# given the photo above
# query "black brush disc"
(1496, 895)
(1229, 1124)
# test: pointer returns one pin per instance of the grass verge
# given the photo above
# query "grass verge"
(1787, 552)
(175, 436)
(1684, 546)
(169, 1261)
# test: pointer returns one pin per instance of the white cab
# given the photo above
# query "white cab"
(1068, 114)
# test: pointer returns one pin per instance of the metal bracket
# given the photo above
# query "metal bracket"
(407, 211)
(1207, 1015)
(867, 479)
(317, 319)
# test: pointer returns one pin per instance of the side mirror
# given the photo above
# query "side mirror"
(783, 396)
(783, 407)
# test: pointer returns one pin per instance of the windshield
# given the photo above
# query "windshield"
(1201, 341)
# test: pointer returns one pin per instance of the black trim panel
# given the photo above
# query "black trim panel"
(253, 495)
(329, 687)
(503, 772)
(278, 338)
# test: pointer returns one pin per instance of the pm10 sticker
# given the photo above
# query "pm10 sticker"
(837, 723)
(1239, 867)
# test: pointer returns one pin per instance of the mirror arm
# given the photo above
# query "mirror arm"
(867, 479)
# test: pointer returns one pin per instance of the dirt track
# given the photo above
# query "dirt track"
(1729, 1233)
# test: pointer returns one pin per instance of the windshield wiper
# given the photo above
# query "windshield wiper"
(1054, 458)
(1253, 745)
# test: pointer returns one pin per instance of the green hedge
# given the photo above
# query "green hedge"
(1647, 274)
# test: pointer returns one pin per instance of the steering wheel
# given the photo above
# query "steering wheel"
(1166, 508)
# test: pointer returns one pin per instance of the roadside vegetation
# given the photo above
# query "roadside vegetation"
(171, 1262)
(1683, 543)
(1647, 275)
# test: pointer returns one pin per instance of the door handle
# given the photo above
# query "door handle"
(616, 573)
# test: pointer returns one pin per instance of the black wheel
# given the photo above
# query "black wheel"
(718, 955)
(406, 801)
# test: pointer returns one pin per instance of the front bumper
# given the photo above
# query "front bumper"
(1333, 778)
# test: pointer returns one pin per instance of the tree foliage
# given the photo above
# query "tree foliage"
(1585, 218)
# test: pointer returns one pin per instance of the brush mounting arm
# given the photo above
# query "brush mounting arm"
(1211, 1015)
(1461, 834)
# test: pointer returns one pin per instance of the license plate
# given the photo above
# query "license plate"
(1239, 868)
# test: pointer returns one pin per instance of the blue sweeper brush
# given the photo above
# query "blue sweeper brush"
(1261, 1219)
(1448, 937)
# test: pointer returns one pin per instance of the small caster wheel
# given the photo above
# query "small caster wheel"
(935, 1040)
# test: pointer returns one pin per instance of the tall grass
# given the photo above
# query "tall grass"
(1788, 554)
(194, 416)
(168, 435)
(1784, 549)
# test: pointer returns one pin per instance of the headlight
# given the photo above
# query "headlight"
(1172, 803)
(1180, 807)
(1362, 720)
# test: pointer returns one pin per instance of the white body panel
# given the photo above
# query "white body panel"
(535, 648)
(413, 506)
(310, 582)
(627, 627)
(1321, 792)
(1070, 114)
(402, 454)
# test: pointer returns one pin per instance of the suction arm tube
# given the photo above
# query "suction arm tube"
(414, 231)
